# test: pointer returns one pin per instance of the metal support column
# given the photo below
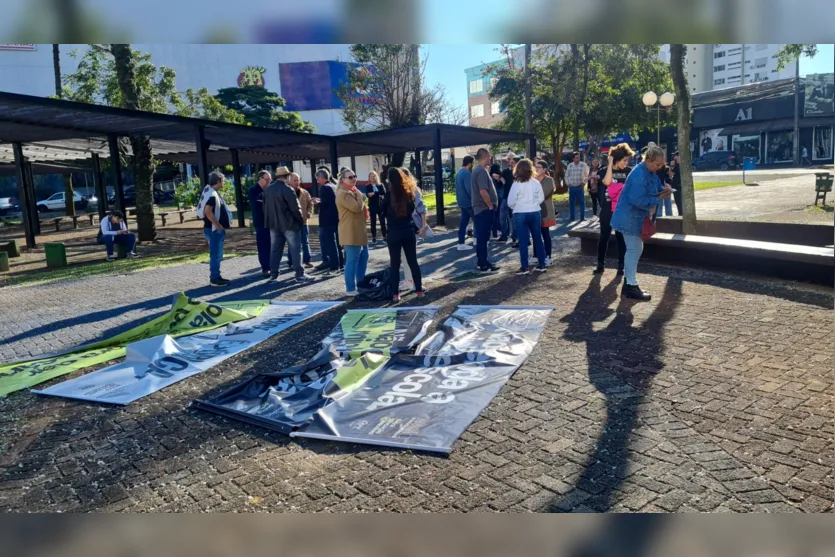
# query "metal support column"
(202, 145)
(334, 159)
(98, 185)
(532, 147)
(116, 167)
(33, 200)
(418, 167)
(354, 163)
(26, 209)
(439, 176)
(239, 188)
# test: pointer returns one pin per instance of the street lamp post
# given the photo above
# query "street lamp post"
(650, 99)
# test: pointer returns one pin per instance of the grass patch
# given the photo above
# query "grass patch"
(710, 185)
(118, 267)
(821, 208)
(432, 202)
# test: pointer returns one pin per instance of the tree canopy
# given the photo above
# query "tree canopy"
(262, 107)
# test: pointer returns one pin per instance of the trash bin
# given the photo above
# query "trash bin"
(749, 163)
(56, 255)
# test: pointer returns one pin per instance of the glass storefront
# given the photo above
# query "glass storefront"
(822, 147)
(745, 146)
(780, 147)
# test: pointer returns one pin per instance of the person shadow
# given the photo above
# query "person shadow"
(622, 361)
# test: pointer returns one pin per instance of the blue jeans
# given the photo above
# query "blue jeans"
(529, 225)
(466, 215)
(327, 241)
(305, 247)
(262, 240)
(483, 222)
(215, 239)
(293, 240)
(356, 262)
(576, 196)
(506, 220)
(665, 204)
(110, 240)
(634, 249)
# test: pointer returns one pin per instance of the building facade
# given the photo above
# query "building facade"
(757, 121)
(720, 66)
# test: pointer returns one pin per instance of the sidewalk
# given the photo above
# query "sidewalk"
(716, 396)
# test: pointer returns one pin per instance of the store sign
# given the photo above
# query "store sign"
(746, 111)
(744, 114)
(18, 47)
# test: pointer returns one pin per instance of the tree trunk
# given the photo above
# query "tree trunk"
(69, 197)
(688, 196)
(56, 66)
(142, 161)
(528, 122)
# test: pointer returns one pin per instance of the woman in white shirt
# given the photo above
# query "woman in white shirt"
(524, 199)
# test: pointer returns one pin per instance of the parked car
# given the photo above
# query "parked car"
(160, 196)
(9, 205)
(716, 160)
(55, 202)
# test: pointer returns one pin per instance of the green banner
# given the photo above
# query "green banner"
(187, 316)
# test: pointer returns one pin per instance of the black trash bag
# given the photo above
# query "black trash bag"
(375, 287)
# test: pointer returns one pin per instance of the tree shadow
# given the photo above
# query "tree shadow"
(622, 361)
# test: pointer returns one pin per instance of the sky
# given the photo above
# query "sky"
(445, 64)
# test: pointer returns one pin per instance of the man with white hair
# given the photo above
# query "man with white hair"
(283, 216)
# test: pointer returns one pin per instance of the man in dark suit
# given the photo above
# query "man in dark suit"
(283, 216)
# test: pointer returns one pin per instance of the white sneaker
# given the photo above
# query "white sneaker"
(547, 261)
(464, 247)
(406, 285)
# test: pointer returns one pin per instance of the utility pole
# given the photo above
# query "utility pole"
(797, 112)
(528, 123)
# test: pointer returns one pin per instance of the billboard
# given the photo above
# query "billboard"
(315, 85)
(820, 95)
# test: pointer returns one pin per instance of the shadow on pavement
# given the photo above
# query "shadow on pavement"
(622, 360)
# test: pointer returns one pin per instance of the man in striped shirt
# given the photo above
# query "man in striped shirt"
(576, 177)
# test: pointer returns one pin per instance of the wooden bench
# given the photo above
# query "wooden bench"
(84, 216)
(180, 212)
(823, 185)
(795, 262)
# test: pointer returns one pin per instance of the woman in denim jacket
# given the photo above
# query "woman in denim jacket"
(638, 201)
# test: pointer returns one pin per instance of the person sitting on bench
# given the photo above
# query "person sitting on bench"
(115, 231)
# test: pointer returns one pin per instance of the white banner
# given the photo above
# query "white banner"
(155, 363)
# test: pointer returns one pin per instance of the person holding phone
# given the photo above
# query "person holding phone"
(637, 202)
(612, 178)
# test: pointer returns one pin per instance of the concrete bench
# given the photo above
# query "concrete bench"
(791, 261)
(54, 221)
(84, 216)
(180, 212)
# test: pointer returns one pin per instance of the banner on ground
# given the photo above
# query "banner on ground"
(356, 349)
(158, 362)
(385, 331)
(426, 401)
(186, 316)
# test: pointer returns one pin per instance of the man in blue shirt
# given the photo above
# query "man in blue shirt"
(464, 197)
(262, 233)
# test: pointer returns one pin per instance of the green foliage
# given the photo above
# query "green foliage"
(261, 107)
(187, 194)
(788, 53)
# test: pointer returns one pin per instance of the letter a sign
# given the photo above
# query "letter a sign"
(744, 114)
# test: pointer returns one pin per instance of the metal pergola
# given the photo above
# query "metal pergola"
(40, 135)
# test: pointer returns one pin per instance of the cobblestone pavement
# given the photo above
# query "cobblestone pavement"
(715, 396)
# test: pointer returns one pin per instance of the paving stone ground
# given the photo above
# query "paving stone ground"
(715, 396)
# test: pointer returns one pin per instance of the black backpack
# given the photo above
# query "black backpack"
(375, 286)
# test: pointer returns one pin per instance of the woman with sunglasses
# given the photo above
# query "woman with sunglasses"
(549, 216)
(350, 202)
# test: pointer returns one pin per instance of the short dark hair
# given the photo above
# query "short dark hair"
(215, 178)
(621, 151)
(575, 154)
(116, 213)
(481, 153)
(468, 160)
(517, 159)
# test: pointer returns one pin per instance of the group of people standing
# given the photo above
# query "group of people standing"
(515, 202)
(281, 209)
